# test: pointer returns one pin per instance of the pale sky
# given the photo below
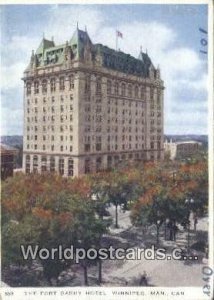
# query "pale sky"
(170, 33)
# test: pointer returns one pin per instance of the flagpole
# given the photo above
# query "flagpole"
(116, 40)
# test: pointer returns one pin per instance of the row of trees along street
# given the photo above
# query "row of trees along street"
(49, 210)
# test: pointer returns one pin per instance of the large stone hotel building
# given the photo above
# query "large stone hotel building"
(88, 107)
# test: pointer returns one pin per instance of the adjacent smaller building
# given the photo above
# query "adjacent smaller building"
(181, 149)
(7, 160)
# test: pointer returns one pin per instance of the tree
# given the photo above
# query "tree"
(49, 211)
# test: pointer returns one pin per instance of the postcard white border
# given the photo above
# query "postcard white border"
(191, 293)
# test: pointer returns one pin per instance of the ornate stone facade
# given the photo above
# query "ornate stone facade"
(88, 108)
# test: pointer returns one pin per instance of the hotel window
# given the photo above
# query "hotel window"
(44, 86)
(61, 83)
(87, 83)
(98, 147)
(71, 82)
(36, 87)
(52, 164)
(116, 88)
(28, 88)
(61, 166)
(71, 148)
(53, 86)
(87, 165)
(142, 93)
(158, 98)
(109, 162)
(123, 89)
(98, 85)
(98, 164)
(151, 93)
(70, 167)
(130, 91)
(27, 166)
(44, 164)
(136, 91)
(35, 163)
(109, 87)
(87, 147)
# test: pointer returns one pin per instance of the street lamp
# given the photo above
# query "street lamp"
(188, 202)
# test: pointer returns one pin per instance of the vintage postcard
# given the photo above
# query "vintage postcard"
(106, 150)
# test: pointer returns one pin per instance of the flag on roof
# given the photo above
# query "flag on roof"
(119, 34)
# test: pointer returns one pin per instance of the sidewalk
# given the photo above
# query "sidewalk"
(166, 273)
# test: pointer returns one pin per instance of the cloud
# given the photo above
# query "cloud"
(11, 75)
(63, 20)
(11, 121)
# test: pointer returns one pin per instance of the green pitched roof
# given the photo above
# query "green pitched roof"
(44, 45)
(79, 39)
(48, 53)
(120, 61)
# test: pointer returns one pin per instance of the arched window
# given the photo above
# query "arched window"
(52, 164)
(35, 163)
(130, 90)
(61, 166)
(123, 89)
(151, 93)
(116, 88)
(158, 98)
(28, 88)
(27, 164)
(36, 87)
(44, 164)
(87, 83)
(136, 91)
(44, 86)
(62, 83)
(71, 81)
(87, 165)
(109, 87)
(143, 93)
(98, 85)
(53, 84)
(70, 167)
